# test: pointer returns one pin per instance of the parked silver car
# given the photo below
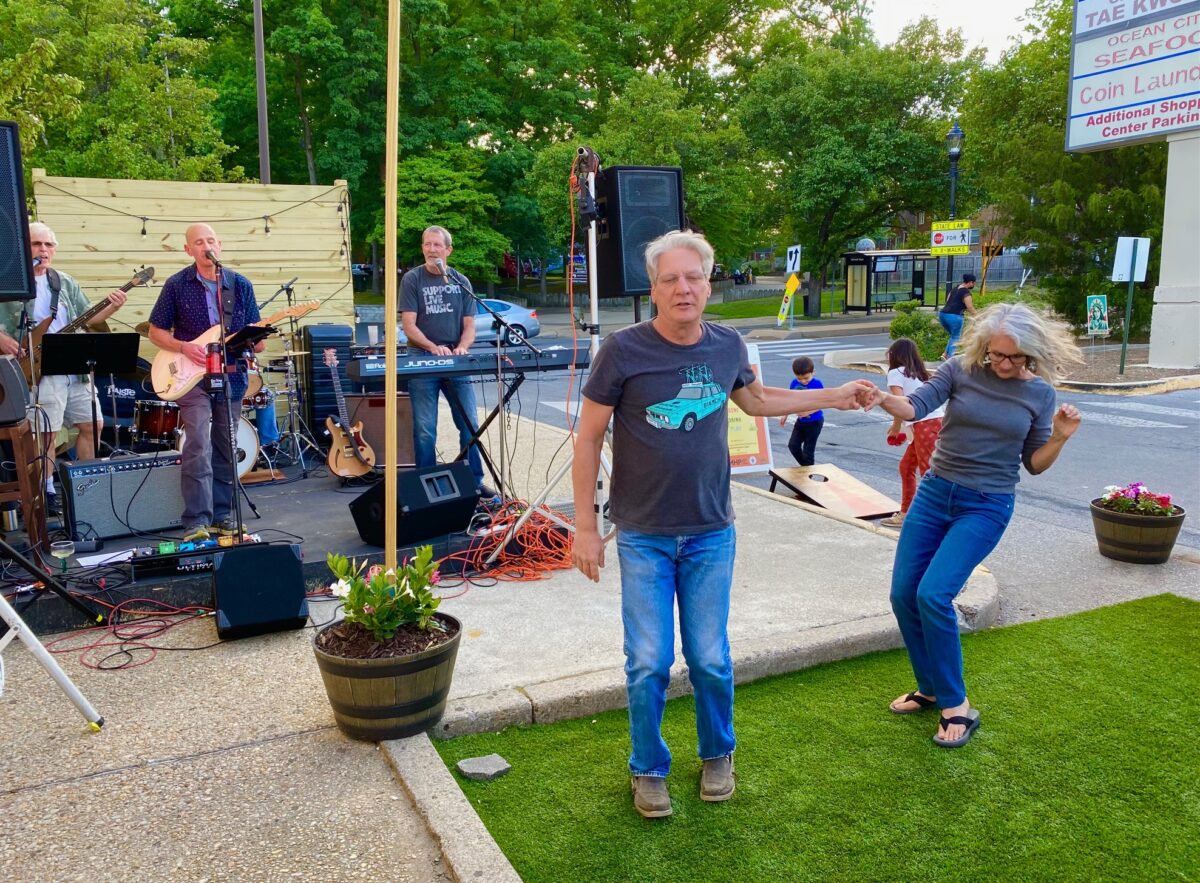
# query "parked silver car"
(523, 320)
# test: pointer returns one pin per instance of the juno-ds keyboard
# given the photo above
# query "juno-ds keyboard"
(512, 360)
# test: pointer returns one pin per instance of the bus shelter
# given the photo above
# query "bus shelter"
(877, 279)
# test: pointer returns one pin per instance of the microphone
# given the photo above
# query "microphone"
(441, 265)
(288, 285)
(37, 262)
(208, 253)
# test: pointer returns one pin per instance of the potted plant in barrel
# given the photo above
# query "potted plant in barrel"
(1135, 524)
(387, 665)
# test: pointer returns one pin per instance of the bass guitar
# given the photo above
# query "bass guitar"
(174, 375)
(80, 323)
(349, 455)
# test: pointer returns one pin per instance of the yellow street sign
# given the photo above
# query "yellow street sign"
(951, 225)
(950, 249)
(788, 290)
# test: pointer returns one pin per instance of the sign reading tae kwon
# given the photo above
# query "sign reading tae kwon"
(1135, 72)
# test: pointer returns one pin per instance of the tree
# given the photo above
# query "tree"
(30, 91)
(1072, 206)
(853, 135)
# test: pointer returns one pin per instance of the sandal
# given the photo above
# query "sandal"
(970, 720)
(923, 703)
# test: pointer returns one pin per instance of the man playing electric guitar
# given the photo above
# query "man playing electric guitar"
(187, 307)
(65, 399)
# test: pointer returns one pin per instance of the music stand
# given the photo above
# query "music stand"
(111, 353)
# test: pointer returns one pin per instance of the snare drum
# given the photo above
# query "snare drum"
(155, 421)
(260, 399)
(247, 446)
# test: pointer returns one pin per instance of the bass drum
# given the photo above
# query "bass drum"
(247, 446)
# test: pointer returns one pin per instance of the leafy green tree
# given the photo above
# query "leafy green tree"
(31, 92)
(851, 136)
(1072, 206)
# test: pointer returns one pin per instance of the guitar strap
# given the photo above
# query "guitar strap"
(55, 283)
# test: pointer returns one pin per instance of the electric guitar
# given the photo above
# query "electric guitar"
(173, 375)
(349, 455)
(141, 277)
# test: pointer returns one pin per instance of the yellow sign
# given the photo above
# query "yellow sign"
(951, 225)
(950, 249)
(749, 437)
(788, 290)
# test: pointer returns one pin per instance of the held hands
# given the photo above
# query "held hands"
(1066, 420)
(587, 553)
(857, 394)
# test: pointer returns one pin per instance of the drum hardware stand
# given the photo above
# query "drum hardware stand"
(114, 449)
(586, 161)
(297, 435)
(18, 629)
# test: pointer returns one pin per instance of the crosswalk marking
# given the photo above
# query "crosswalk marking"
(1161, 410)
(1129, 422)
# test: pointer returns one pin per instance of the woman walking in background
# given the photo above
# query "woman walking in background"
(1000, 413)
(906, 374)
(951, 313)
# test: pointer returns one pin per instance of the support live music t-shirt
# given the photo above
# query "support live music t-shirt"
(670, 430)
(439, 302)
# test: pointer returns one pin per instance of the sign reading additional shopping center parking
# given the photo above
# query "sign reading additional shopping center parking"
(950, 237)
(1135, 72)
(749, 437)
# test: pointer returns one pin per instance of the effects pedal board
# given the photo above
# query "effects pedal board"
(179, 558)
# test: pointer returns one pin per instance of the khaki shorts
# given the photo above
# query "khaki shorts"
(67, 401)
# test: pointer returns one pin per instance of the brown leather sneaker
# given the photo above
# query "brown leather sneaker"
(716, 781)
(650, 796)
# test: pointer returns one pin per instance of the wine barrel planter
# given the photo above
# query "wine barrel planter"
(1137, 539)
(393, 697)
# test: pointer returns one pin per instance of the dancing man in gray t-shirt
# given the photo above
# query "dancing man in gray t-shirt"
(666, 385)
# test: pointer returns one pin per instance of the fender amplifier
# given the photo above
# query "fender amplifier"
(122, 496)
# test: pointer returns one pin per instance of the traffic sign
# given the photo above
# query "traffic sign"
(951, 225)
(793, 259)
(955, 241)
(793, 283)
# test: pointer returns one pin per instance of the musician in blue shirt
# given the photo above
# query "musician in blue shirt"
(186, 308)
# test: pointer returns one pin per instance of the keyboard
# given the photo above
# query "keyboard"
(514, 360)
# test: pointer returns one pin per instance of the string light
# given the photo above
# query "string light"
(267, 224)
(144, 220)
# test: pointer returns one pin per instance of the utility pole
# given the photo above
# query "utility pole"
(260, 76)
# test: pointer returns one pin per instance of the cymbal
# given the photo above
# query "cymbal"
(295, 353)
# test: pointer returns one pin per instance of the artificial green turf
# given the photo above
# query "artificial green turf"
(1086, 767)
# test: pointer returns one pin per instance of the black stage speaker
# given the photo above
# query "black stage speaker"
(258, 589)
(16, 270)
(14, 392)
(370, 409)
(316, 380)
(431, 502)
(637, 204)
(122, 496)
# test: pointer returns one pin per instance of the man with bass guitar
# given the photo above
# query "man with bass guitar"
(187, 307)
(65, 399)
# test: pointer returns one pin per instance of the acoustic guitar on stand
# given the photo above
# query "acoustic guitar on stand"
(141, 277)
(349, 455)
(174, 375)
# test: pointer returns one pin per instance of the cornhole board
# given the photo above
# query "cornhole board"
(835, 490)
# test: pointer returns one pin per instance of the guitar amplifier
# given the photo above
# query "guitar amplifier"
(122, 496)
(316, 381)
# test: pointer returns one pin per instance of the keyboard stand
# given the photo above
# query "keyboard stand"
(476, 438)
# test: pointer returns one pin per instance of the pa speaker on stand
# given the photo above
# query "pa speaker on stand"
(16, 269)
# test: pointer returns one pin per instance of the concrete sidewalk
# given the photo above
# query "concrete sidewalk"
(222, 762)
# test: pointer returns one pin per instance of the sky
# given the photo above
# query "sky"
(989, 23)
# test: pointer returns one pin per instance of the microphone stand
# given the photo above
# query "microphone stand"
(226, 375)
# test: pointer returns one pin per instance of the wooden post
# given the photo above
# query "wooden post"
(389, 298)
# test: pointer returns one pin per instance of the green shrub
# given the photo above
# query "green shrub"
(923, 329)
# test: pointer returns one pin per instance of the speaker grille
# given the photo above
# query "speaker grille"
(16, 275)
(639, 205)
(316, 381)
(116, 498)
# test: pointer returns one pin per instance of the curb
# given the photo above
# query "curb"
(468, 848)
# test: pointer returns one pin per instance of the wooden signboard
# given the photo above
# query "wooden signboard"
(835, 490)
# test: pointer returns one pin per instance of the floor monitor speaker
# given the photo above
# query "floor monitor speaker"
(431, 502)
(637, 204)
(258, 589)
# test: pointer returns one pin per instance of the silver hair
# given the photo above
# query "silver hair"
(678, 239)
(40, 229)
(442, 231)
(1049, 345)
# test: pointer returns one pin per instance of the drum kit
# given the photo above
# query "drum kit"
(157, 424)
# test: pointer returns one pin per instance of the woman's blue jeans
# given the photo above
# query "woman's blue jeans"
(655, 571)
(953, 323)
(948, 530)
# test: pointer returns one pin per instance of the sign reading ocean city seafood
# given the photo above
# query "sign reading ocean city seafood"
(1135, 72)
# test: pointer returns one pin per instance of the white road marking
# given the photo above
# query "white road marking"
(1128, 422)
(1161, 410)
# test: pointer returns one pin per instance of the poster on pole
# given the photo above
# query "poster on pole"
(1097, 315)
(749, 437)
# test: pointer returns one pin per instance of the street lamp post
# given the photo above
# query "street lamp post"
(954, 143)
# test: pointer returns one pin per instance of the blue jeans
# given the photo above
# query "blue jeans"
(655, 570)
(205, 474)
(948, 530)
(953, 323)
(267, 424)
(423, 395)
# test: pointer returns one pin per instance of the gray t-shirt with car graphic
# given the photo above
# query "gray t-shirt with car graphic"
(670, 432)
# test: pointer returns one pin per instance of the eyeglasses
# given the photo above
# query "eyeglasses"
(1016, 360)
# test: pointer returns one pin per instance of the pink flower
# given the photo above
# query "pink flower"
(435, 578)
(1164, 500)
(374, 571)
(367, 608)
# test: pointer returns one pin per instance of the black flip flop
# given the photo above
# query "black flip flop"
(923, 704)
(970, 720)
